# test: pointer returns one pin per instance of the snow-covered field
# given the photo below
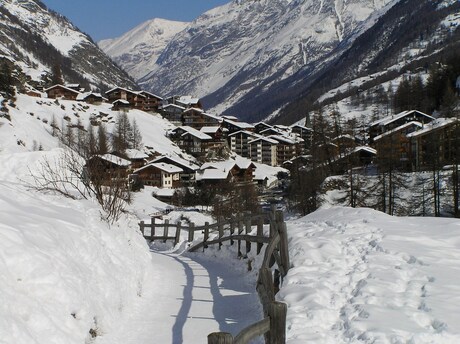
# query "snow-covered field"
(360, 276)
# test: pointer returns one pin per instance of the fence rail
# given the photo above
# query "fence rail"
(273, 325)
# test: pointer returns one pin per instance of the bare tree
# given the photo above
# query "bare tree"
(73, 177)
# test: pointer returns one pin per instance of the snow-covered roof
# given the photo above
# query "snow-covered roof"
(172, 105)
(389, 119)
(283, 139)
(401, 127)
(188, 100)
(83, 96)
(213, 174)
(217, 118)
(301, 127)
(61, 86)
(194, 132)
(231, 118)
(365, 148)
(116, 160)
(242, 125)
(178, 161)
(168, 168)
(135, 154)
(121, 101)
(438, 123)
(266, 139)
(210, 130)
(244, 132)
(150, 94)
(126, 90)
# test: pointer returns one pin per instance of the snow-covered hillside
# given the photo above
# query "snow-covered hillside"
(64, 271)
(138, 50)
(31, 119)
(37, 39)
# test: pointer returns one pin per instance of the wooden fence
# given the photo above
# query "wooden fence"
(239, 229)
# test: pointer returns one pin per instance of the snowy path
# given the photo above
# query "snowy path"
(187, 298)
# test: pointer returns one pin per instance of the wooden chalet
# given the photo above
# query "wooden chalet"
(91, 98)
(189, 169)
(197, 118)
(389, 123)
(185, 101)
(160, 174)
(238, 171)
(152, 102)
(394, 146)
(60, 91)
(107, 167)
(261, 126)
(234, 126)
(172, 113)
(264, 151)
(136, 157)
(304, 133)
(134, 98)
(121, 104)
(435, 145)
(191, 140)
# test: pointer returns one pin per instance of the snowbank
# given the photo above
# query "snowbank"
(360, 276)
(64, 272)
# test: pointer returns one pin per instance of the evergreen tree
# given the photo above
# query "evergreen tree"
(56, 75)
(102, 140)
(136, 137)
(6, 80)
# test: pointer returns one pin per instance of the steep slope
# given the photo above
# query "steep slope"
(411, 36)
(250, 45)
(37, 39)
(138, 50)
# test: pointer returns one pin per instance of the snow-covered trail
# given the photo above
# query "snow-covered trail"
(186, 298)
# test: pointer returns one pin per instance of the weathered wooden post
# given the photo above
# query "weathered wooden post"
(240, 231)
(166, 230)
(260, 232)
(206, 235)
(273, 229)
(178, 229)
(277, 312)
(220, 227)
(284, 250)
(152, 228)
(220, 338)
(248, 230)
(232, 229)
(191, 232)
(142, 228)
(265, 288)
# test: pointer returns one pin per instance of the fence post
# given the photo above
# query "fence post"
(220, 338)
(265, 288)
(178, 229)
(142, 228)
(284, 251)
(273, 229)
(220, 227)
(152, 228)
(240, 230)
(260, 232)
(277, 312)
(232, 229)
(248, 230)
(191, 232)
(206, 235)
(166, 230)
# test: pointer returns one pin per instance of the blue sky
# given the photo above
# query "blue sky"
(111, 18)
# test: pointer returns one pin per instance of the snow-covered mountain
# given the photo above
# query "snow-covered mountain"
(250, 45)
(138, 50)
(37, 39)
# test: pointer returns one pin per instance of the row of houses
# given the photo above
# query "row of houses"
(199, 134)
(121, 98)
(171, 172)
(414, 141)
